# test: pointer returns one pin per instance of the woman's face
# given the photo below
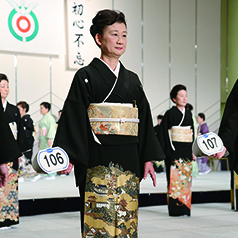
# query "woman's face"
(199, 120)
(43, 110)
(4, 89)
(114, 40)
(181, 98)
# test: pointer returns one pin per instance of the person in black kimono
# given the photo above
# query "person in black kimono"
(228, 132)
(9, 149)
(106, 129)
(176, 139)
(9, 200)
(28, 127)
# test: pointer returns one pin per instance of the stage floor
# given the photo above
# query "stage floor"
(64, 187)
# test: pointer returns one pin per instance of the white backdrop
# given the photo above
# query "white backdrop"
(169, 42)
(47, 33)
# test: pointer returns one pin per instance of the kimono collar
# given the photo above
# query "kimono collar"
(122, 84)
(117, 69)
(180, 110)
(4, 105)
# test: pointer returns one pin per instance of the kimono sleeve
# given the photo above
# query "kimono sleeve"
(21, 135)
(204, 129)
(164, 135)
(51, 129)
(74, 128)
(9, 149)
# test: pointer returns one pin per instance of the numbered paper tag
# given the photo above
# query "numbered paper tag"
(53, 160)
(210, 143)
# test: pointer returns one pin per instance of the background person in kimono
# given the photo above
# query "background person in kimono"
(9, 209)
(110, 158)
(202, 129)
(28, 126)
(47, 129)
(25, 168)
(176, 138)
(228, 132)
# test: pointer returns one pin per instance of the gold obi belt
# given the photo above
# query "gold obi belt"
(181, 134)
(113, 118)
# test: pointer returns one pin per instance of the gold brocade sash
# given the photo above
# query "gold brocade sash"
(181, 134)
(113, 118)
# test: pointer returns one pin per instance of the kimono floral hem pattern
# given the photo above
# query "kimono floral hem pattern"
(178, 160)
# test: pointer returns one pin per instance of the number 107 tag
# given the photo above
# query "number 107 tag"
(210, 143)
(53, 160)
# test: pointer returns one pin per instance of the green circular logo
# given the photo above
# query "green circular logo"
(23, 27)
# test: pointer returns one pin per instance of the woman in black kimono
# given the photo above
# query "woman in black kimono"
(9, 149)
(28, 126)
(106, 129)
(9, 200)
(176, 139)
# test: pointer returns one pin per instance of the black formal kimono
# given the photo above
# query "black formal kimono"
(9, 208)
(9, 149)
(228, 132)
(178, 162)
(107, 174)
(28, 126)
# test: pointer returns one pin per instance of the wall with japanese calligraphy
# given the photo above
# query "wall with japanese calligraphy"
(169, 42)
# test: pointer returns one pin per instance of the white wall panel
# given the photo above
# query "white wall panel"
(208, 58)
(156, 54)
(132, 10)
(33, 81)
(33, 71)
(7, 67)
(182, 45)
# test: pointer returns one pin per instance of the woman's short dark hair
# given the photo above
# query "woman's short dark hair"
(189, 106)
(24, 105)
(175, 89)
(46, 105)
(105, 18)
(3, 77)
(160, 117)
(202, 115)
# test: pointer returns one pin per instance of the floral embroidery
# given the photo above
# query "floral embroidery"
(181, 182)
(9, 197)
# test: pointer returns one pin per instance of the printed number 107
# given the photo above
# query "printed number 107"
(210, 143)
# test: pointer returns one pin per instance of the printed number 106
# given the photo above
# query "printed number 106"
(54, 159)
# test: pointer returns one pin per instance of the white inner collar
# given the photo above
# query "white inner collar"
(117, 69)
(4, 105)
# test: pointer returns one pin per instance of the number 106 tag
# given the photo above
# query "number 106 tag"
(53, 160)
(210, 143)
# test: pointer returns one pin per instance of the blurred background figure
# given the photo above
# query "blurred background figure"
(25, 168)
(28, 126)
(202, 129)
(47, 130)
(59, 115)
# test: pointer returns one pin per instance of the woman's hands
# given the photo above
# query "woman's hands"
(148, 168)
(3, 175)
